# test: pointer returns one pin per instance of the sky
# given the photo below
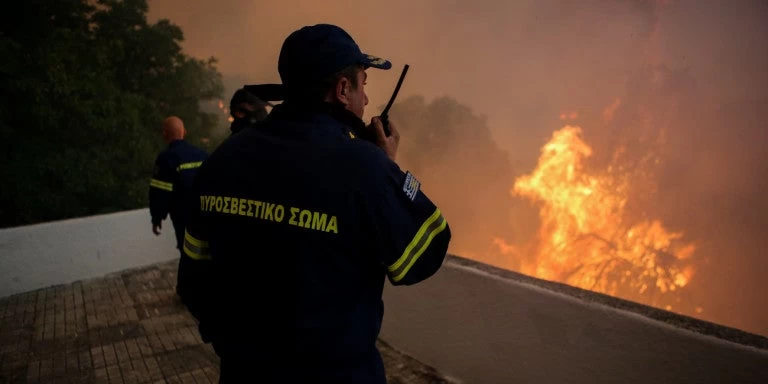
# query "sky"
(522, 63)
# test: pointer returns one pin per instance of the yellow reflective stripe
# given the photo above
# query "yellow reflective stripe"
(161, 184)
(189, 251)
(184, 166)
(194, 248)
(192, 240)
(431, 228)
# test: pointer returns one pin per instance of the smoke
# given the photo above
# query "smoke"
(686, 80)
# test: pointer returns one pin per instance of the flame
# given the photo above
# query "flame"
(593, 232)
(224, 109)
(610, 111)
(587, 237)
(573, 115)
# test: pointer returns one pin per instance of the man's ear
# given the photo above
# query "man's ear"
(342, 90)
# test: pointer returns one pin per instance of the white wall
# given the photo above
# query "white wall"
(42, 255)
(482, 328)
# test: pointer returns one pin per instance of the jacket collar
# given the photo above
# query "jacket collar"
(175, 143)
(314, 112)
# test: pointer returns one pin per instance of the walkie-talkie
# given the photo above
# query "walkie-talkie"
(385, 114)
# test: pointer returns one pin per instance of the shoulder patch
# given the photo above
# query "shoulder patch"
(411, 186)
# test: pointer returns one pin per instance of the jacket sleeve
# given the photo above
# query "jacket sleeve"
(161, 189)
(410, 234)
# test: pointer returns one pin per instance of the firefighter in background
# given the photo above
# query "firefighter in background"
(169, 194)
(246, 110)
(301, 222)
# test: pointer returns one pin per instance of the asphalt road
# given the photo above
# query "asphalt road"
(484, 325)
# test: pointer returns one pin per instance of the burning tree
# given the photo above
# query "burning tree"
(587, 237)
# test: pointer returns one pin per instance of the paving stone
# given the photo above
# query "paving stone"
(123, 328)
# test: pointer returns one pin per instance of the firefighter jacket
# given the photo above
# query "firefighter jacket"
(169, 188)
(302, 224)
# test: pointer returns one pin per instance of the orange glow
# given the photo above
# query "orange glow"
(610, 111)
(224, 110)
(586, 237)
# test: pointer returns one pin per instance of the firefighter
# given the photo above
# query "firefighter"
(301, 223)
(169, 193)
(246, 110)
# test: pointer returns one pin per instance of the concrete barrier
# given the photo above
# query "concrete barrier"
(480, 324)
(60, 252)
(472, 322)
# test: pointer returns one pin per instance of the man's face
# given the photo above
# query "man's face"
(356, 98)
(242, 110)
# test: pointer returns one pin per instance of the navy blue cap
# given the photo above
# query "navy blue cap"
(242, 96)
(315, 53)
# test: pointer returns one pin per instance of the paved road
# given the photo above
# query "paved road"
(485, 325)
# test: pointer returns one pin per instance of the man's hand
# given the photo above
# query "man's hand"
(388, 143)
(156, 228)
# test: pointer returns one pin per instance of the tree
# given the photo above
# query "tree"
(83, 88)
(451, 151)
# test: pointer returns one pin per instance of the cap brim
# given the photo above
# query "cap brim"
(267, 92)
(375, 62)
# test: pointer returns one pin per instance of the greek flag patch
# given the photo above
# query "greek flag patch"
(411, 186)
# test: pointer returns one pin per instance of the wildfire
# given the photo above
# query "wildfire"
(610, 111)
(573, 115)
(587, 237)
(224, 109)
